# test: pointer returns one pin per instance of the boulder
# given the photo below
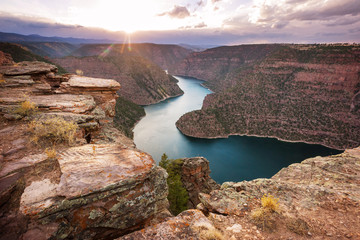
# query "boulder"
(104, 191)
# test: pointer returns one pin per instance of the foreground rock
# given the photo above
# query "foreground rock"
(318, 199)
(104, 191)
(87, 191)
(190, 224)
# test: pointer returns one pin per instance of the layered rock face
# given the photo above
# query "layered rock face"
(100, 190)
(318, 199)
(306, 93)
(142, 81)
(195, 176)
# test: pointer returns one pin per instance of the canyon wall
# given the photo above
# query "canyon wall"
(308, 93)
(142, 81)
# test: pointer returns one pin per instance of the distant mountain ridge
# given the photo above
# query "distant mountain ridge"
(164, 55)
(16, 38)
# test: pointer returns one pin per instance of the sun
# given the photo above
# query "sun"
(120, 15)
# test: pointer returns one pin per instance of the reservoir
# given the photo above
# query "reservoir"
(234, 159)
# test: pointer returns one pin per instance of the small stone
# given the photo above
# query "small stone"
(14, 150)
(13, 117)
(235, 228)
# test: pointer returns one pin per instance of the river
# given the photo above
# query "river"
(235, 158)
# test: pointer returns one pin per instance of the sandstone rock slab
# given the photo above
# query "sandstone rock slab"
(101, 186)
(65, 102)
(28, 68)
(92, 83)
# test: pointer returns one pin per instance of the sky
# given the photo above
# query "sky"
(197, 22)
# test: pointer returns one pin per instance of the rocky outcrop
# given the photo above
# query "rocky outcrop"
(101, 190)
(305, 93)
(20, 53)
(104, 191)
(5, 59)
(195, 176)
(142, 82)
(189, 224)
(318, 199)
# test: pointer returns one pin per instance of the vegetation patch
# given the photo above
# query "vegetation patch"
(178, 196)
(127, 114)
(265, 215)
(211, 234)
(52, 130)
(26, 108)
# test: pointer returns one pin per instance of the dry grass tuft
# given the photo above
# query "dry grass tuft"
(26, 108)
(53, 130)
(211, 234)
(2, 80)
(51, 153)
(270, 203)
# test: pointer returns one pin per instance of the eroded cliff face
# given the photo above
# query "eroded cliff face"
(318, 199)
(163, 55)
(99, 187)
(195, 176)
(142, 81)
(306, 93)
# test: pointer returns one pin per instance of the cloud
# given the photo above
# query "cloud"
(199, 25)
(281, 12)
(343, 22)
(177, 12)
(31, 25)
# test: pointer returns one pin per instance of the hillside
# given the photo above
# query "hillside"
(308, 93)
(20, 53)
(50, 49)
(163, 55)
(142, 81)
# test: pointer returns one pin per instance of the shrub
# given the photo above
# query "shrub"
(270, 203)
(264, 216)
(54, 129)
(178, 196)
(26, 108)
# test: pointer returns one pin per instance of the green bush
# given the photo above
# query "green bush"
(178, 196)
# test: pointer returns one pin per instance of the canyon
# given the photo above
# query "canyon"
(100, 186)
(308, 93)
